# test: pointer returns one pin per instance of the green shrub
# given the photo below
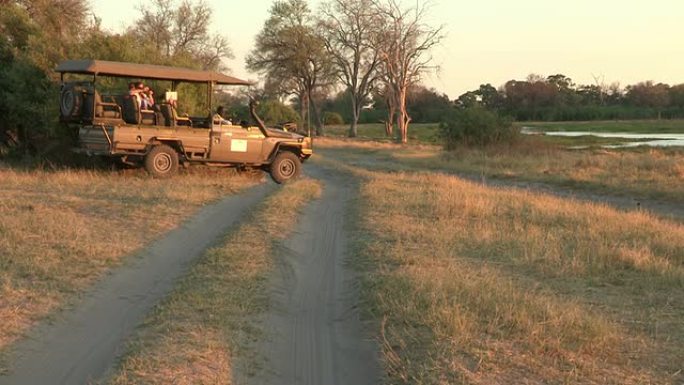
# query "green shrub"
(332, 119)
(476, 126)
(274, 112)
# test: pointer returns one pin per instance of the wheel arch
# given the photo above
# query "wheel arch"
(175, 144)
(284, 146)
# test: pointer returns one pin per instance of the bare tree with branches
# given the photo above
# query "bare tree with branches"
(290, 50)
(350, 31)
(183, 32)
(404, 48)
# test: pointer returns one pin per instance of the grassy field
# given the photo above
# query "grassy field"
(477, 285)
(193, 335)
(61, 230)
(638, 173)
(419, 132)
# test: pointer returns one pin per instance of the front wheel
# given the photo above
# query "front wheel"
(285, 167)
(161, 161)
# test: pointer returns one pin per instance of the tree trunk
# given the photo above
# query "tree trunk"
(316, 116)
(391, 111)
(403, 118)
(303, 108)
(356, 111)
(353, 128)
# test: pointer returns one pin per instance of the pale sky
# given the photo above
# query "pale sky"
(492, 41)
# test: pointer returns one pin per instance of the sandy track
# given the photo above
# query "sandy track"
(80, 344)
(314, 334)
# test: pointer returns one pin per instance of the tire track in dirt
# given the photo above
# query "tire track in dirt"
(314, 333)
(80, 344)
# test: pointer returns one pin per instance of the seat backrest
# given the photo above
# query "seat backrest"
(99, 110)
(88, 105)
(131, 109)
(168, 113)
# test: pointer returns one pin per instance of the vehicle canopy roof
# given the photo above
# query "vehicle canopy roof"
(146, 71)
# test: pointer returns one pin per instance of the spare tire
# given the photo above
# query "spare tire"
(71, 101)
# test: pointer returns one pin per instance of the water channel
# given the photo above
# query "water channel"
(650, 140)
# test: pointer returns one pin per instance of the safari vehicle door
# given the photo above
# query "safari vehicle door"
(236, 144)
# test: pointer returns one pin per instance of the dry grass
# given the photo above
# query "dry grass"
(193, 334)
(478, 285)
(60, 231)
(653, 173)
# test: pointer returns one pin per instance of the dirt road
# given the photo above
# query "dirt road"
(314, 334)
(80, 344)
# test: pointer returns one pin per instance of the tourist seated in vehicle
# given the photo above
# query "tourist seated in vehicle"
(219, 119)
(132, 89)
(148, 98)
(135, 91)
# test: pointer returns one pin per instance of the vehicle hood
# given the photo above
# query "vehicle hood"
(276, 133)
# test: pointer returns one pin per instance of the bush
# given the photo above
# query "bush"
(476, 126)
(274, 112)
(332, 119)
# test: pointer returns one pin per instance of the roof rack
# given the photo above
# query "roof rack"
(147, 71)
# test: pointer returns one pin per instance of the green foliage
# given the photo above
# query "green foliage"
(274, 112)
(332, 118)
(557, 98)
(427, 105)
(476, 126)
(24, 85)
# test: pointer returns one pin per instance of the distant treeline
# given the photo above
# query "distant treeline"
(554, 98)
(557, 98)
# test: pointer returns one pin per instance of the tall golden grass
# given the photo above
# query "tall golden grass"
(193, 336)
(61, 230)
(482, 286)
(652, 173)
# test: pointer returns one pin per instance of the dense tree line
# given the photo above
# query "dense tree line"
(552, 98)
(558, 98)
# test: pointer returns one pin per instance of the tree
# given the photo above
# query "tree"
(350, 38)
(180, 35)
(289, 51)
(490, 97)
(647, 94)
(486, 96)
(565, 88)
(677, 96)
(404, 46)
(34, 36)
(60, 25)
(427, 105)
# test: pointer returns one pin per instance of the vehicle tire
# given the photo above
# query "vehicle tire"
(161, 161)
(285, 167)
(70, 102)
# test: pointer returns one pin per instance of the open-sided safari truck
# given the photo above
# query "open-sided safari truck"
(115, 124)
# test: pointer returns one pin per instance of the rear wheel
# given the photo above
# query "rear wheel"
(285, 167)
(161, 161)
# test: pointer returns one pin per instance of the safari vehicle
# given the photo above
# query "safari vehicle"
(160, 139)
